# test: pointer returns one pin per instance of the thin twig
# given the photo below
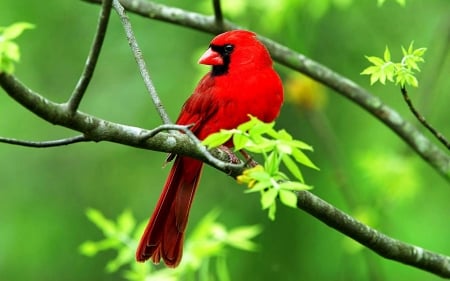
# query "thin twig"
(422, 119)
(91, 61)
(140, 61)
(45, 144)
(218, 16)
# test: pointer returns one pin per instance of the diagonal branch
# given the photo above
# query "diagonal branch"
(97, 129)
(137, 53)
(432, 154)
(378, 242)
(422, 119)
(91, 62)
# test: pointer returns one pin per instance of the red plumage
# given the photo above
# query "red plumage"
(242, 81)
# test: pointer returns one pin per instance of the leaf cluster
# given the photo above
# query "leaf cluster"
(208, 242)
(9, 50)
(402, 72)
(276, 147)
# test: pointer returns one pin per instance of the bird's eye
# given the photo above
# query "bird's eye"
(228, 48)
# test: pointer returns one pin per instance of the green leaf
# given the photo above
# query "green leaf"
(11, 51)
(272, 211)
(284, 135)
(217, 139)
(370, 70)
(419, 52)
(300, 144)
(259, 186)
(410, 48)
(387, 54)
(374, 78)
(294, 186)
(375, 60)
(284, 148)
(89, 248)
(244, 127)
(240, 237)
(288, 198)
(268, 197)
(404, 52)
(15, 30)
(106, 226)
(240, 141)
(292, 167)
(390, 70)
(260, 175)
(405, 77)
(412, 80)
(264, 147)
(272, 163)
(382, 77)
(6, 66)
(301, 158)
(126, 222)
(260, 128)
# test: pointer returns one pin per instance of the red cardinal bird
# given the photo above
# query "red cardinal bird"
(241, 82)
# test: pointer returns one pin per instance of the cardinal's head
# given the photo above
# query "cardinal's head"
(235, 48)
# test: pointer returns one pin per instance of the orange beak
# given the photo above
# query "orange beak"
(211, 57)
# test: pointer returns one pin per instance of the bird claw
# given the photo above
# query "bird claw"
(231, 156)
(249, 160)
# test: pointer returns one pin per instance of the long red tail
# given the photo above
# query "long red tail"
(163, 236)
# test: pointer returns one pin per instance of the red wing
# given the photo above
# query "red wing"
(200, 106)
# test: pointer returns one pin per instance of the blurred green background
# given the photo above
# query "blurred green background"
(366, 170)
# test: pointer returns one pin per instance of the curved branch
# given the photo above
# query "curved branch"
(45, 144)
(422, 119)
(376, 241)
(91, 62)
(437, 158)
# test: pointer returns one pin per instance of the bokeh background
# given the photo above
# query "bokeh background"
(366, 169)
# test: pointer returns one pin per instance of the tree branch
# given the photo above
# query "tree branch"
(223, 165)
(91, 61)
(218, 16)
(44, 144)
(378, 242)
(137, 53)
(422, 119)
(432, 154)
(97, 129)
